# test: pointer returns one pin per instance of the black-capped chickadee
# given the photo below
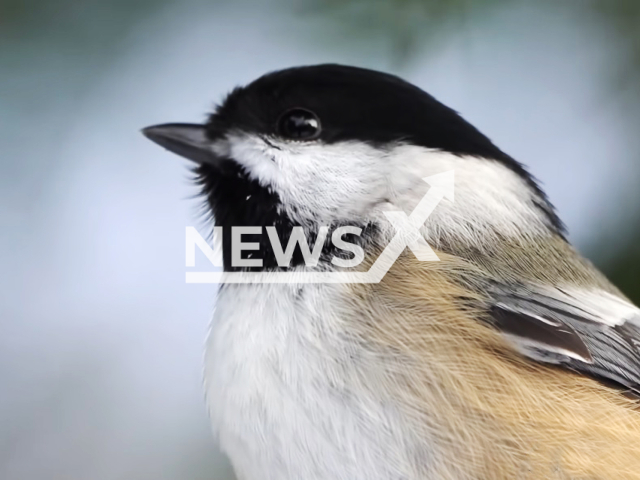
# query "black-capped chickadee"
(511, 357)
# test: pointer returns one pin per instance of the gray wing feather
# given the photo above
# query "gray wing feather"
(551, 326)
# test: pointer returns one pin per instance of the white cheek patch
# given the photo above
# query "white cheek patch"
(316, 182)
(341, 181)
(355, 182)
(255, 156)
(489, 197)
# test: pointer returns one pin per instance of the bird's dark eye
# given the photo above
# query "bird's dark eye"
(299, 124)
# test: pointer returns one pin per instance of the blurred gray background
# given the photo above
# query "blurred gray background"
(101, 339)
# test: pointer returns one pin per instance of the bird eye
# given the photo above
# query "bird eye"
(299, 124)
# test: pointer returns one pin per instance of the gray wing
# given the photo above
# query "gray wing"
(592, 332)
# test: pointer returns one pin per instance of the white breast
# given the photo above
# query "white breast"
(293, 396)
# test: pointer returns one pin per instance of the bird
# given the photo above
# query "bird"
(510, 357)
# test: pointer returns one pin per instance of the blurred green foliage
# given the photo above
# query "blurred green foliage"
(623, 17)
(407, 24)
(624, 268)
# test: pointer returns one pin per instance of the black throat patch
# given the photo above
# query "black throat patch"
(235, 200)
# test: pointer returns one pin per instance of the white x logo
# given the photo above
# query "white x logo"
(408, 227)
